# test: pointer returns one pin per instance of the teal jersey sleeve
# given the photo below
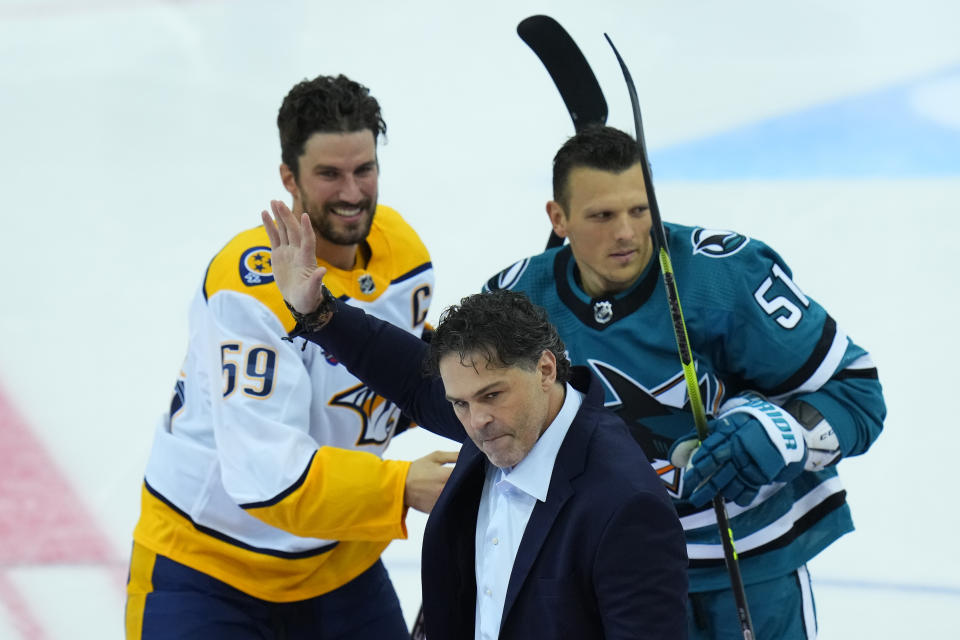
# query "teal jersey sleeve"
(763, 333)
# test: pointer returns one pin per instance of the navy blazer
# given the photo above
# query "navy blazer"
(603, 557)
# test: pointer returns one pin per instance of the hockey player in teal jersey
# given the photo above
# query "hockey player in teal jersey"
(788, 394)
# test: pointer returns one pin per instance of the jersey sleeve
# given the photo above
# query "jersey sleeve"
(389, 360)
(772, 338)
(269, 463)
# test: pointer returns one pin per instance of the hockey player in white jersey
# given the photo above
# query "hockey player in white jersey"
(265, 503)
(789, 395)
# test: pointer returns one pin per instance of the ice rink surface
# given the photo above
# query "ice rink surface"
(138, 136)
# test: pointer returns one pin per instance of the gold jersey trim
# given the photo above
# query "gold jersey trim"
(330, 504)
(396, 253)
(164, 531)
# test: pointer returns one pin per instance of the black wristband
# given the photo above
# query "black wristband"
(316, 319)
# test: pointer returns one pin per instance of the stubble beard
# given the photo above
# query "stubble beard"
(502, 459)
(331, 227)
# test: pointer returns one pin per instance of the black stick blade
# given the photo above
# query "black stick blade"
(568, 67)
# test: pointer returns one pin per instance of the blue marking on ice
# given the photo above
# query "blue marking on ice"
(904, 131)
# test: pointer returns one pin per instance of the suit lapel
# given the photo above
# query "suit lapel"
(455, 518)
(571, 459)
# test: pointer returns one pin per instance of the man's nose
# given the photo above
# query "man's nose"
(479, 418)
(624, 228)
(350, 190)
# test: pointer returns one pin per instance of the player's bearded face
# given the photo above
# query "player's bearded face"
(337, 185)
(341, 222)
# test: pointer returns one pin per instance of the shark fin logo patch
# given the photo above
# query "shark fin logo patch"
(717, 243)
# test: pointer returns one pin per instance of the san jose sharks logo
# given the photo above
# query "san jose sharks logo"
(656, 417)
(717, 243)
(379, 417)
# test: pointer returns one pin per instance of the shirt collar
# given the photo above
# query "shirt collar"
(532, 474)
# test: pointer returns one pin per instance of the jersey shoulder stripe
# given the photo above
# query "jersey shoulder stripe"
(410, 274)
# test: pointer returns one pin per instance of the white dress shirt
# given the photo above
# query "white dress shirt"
(506, 503)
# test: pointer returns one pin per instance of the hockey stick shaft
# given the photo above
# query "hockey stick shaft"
(418, 632)
(686, 353)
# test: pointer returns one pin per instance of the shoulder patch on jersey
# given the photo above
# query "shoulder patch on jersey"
(241, 266)
(717, 243)
(256, 266)
(509, 277)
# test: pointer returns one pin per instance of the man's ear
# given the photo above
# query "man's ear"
(558, 218)
(547, 368)
(289, 180)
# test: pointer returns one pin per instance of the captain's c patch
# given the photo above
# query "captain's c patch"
(256, 266)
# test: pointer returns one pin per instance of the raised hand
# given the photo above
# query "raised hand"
(293, 247)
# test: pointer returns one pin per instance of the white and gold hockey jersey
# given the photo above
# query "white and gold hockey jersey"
(266, 472)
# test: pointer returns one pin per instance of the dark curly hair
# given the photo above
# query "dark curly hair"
(596, 147)
(502, 325)
(326, 104)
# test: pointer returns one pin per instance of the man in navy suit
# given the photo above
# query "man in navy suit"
(552, 524)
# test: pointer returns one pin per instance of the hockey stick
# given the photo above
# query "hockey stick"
(568, 67)
(686, 358)
(571, 73)
(418, 632)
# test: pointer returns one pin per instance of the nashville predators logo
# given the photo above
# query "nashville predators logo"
(378, 416)
(717, 243)
(256, 266)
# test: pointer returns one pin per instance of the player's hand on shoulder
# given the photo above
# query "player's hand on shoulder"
(754, 444)
(293, 257)
(426, 478)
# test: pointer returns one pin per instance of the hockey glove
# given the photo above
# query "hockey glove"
(749, 446)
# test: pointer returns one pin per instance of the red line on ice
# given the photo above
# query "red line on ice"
(18, 611)
(42, 520)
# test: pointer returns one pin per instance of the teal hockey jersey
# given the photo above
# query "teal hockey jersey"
(751, 329)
